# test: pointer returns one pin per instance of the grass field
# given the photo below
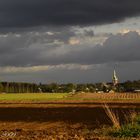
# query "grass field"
(65, 97)
(32, 97)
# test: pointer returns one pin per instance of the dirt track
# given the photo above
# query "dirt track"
(35, 119)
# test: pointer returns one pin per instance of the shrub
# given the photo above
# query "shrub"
(127, 130)
(137, 119)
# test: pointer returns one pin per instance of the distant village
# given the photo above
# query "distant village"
(114, 86)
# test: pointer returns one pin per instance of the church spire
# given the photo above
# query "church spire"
(115, 78)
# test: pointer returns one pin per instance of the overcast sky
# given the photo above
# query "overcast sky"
(66, 41)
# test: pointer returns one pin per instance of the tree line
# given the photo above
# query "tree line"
(17, 87)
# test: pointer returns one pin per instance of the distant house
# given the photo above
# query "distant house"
(137, 90)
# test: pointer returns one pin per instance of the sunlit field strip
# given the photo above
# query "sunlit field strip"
(71, 97)
(31, 96)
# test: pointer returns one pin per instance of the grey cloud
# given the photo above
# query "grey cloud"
(24, 48)
(89, 33)
(9, 42)
(101, 73)
(117, 48)
(30, 13)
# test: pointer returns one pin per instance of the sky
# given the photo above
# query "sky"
(64, 41)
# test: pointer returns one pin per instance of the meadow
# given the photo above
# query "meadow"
(69, 97)
(32, 96)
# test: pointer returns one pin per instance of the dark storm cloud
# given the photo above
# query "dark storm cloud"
(29, 13)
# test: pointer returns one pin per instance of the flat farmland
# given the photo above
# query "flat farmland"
(31, 97)
(73, 117)
(68, 97)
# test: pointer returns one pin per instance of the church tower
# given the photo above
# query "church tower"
(115, 78)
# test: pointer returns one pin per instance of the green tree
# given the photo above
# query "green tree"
(1, 87)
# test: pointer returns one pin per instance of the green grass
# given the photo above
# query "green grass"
(32, 97)
(132, 129)
(128, 130)
(58, 96)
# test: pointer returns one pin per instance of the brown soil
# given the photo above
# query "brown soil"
(58, 121)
